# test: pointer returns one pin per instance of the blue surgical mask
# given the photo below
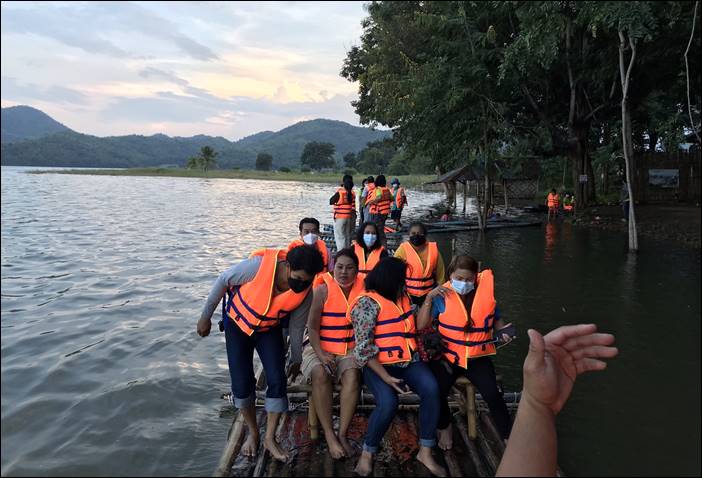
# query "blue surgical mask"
(369, 239)
(462, 287)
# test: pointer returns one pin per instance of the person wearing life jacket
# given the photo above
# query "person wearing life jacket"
(465, 314)
(309, 236)
(344, 205)
(369, 187)
(262, 291)
(553, 202)
(426, 267)
(569, 203)
(399, 201)
(384, 330)
(379, 203)
(328, 358)
(368, 248)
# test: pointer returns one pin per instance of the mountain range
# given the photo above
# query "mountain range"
(32, 138)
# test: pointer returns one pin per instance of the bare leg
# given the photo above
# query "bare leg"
(250, 446)
(322, 396)
(427, 459)
(270, 442)
(364, 467)
(445, 437)
(350, 386)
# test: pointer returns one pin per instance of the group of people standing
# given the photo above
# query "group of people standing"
(554, 203)
(360, 317)
(376, 202)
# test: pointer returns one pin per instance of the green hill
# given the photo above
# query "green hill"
(70, 149)
(24, 122)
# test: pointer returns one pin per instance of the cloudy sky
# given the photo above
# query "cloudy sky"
(180, 68)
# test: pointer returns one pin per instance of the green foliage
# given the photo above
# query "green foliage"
(350, 160)
(318, 155)
(205, 160)
(284, 169)
(305, 170)
(264, 162)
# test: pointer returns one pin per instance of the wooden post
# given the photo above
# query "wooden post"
(453, 248)
(504, 187)
(465, 193)
(312, 419)
(471, 416)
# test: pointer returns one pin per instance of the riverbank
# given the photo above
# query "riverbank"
(311, 177)
(677, 223)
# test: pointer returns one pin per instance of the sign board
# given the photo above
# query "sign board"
(663, 178)
(582, 178)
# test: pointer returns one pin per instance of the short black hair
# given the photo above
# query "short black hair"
(359, 236)
(387, 278)
(309, 220)
(419, 225)
(553, 190)
(370, 179)
(380, 181)
(308, 259)
(348, 252)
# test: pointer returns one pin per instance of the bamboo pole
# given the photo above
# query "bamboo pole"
(491, 430)
(480, 469)
(234, 442)
(465, 194)
(471, 412)
(490, 456)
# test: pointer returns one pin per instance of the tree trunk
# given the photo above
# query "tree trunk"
(626, 134)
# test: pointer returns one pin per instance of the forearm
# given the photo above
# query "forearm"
(219, 288)
(424, 314)
(532, 446)
(378, 369)
(298, 321)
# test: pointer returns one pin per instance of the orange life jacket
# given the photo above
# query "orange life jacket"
(335, 330)
(567, 207)
(366, 265)
(252, 305)
(462, 340)
(400, 198)
(321, 247)
(395, 329)
(344, 207)
(369, 194)
(420, 279)
(553, 200)
(384, 205)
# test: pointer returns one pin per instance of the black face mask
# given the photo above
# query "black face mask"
(298, 285)
(418, 240)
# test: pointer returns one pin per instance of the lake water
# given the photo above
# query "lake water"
(104, 278)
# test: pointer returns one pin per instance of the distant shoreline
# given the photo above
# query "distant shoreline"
(331, 178)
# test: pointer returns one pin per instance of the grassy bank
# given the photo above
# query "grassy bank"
(409, 180)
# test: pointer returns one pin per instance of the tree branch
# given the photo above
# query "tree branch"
(687, 75)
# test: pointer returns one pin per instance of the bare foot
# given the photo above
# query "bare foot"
(427, 459)
(348, 447)
(445, 438)
(364, 467)
(274, 449)
(335, 449)
(250, 446)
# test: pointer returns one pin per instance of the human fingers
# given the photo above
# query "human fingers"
(589, 365)
(587, 341)
(562, 334)
(535, 357)
(599, 351)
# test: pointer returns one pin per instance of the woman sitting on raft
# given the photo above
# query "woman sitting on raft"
(463, 309)
(330, 358)
(269, 287)
(384, 328)
(368, 248)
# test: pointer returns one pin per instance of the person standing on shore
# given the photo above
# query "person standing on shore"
(553, 201)
(344, 204)
(379, 204)
(399, 202)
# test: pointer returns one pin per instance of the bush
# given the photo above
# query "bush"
(350, 171)
(305, 170)
(284, 169)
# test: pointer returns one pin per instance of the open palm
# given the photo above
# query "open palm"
(556, 359)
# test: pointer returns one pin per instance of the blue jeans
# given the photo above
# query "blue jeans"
(420, 379)
(271, 351)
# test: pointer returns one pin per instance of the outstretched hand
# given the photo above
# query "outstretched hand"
(556, 359)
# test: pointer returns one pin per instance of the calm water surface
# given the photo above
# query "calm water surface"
(103, 279)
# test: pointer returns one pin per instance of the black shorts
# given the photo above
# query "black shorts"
(396, 214)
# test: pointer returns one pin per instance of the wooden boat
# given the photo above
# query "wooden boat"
(477, 447)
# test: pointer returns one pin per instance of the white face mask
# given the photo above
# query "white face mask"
(369, 239)
(310, 238)
(462, 287)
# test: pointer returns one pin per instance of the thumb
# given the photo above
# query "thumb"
(536, 354)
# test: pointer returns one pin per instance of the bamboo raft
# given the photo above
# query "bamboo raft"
(477, 447)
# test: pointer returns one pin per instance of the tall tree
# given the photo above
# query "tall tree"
(318, 155)
(207, 158)
(264, 162)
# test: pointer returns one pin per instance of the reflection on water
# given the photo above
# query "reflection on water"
(103, 279)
